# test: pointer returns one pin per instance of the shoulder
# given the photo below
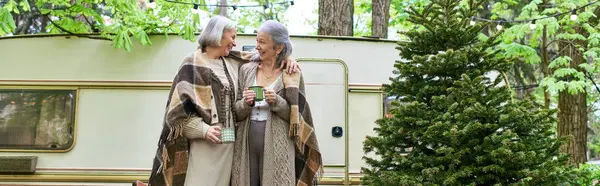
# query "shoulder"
(188, 61)
(237, 63)
(194, 63)
(241, 55)
(248, 68)
(189, 58)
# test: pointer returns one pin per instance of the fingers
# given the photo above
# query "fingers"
(213, 134)
(288, 67)
(213, 138)
(249, 96)
(270, 100)
(269, 93)
(247, 93)
(292, 66)
(283, 64)
(217, 128)
(296, 68)
(217, 132)
(270, 96)
(249, 101)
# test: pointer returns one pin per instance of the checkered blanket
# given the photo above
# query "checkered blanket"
(190, 95)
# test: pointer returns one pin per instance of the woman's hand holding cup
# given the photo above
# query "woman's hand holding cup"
(270, 96)
(214, 134)
(249, 96)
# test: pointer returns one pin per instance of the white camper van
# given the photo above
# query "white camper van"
(76, 111)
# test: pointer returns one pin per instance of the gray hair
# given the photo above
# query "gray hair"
(213, 32)
(279, 35)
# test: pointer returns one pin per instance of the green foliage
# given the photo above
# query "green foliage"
(124, 21)
(115, 20)
(462, 128)
(593, 142)
(587, 175)
(7, 25)
(560, 30)
(582, 34)
(398, 16)
(251, 18)
(362, 17)
(514, 50)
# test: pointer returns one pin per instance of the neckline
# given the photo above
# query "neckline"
(272, 83)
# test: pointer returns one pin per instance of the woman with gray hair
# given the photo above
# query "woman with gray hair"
(276, 142)
(196, 142)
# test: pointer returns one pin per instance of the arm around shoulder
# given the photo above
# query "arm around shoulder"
(244, 56)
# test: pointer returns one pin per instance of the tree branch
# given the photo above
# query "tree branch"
(556, 55)
(94, 29)
(63, 29)
(550, 43)
(564, 48)
(75, 34)
(35, 9)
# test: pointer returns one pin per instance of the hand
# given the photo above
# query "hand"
(213, 134)
(270, 96)
(292, 65)
(249, 96)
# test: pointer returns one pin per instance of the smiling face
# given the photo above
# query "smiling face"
(228, 41)
(266, 47)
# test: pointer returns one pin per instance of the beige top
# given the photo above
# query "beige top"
(210, 164)
(198, 130)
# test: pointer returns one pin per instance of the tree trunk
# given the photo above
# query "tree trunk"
(545, 59)
(572, 117)
(223, 8)
(380, 18)
(545, 64)
(573, 124)
(336, 17)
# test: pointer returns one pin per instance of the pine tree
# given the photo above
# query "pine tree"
(460, 126)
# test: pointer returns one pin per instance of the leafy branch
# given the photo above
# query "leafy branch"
(116, 20)
(75, 34)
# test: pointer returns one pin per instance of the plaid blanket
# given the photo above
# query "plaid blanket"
(309, 164)
(190, 96)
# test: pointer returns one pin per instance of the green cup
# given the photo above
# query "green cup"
(227, 135)
(260, 94)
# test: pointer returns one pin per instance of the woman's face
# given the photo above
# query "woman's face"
(266, 46)
(228, 41)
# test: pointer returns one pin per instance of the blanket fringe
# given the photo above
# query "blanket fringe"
(294, 129)
(165, 156)
(176, 130)
(173, 132)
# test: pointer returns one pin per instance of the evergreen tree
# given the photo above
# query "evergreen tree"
(460, 126)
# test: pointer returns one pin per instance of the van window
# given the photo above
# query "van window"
(37, 119)
(387, 107)
(387, 104)
(248, 48)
